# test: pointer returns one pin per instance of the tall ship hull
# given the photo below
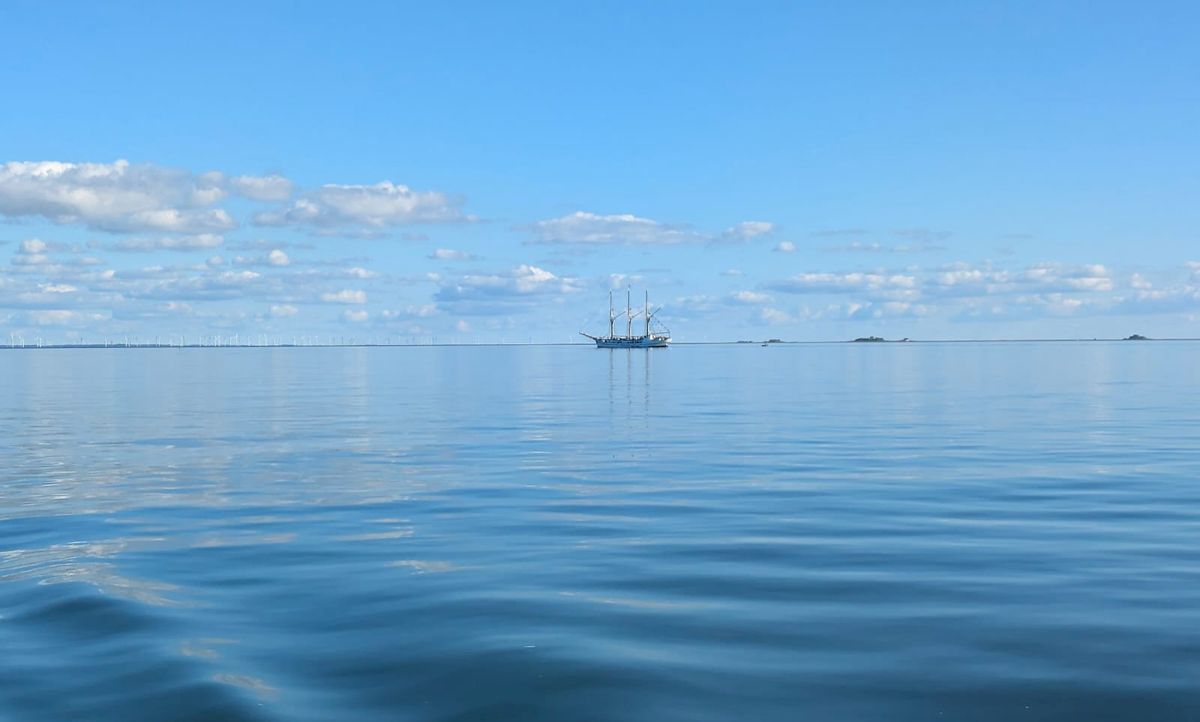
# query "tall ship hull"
(650, 338)
(631, 342)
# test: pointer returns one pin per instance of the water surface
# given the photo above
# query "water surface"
(816, 532)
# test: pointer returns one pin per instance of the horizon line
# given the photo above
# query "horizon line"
(740, 342)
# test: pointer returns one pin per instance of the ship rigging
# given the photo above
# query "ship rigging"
(650, 338)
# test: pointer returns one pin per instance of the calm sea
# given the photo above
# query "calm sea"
(813, 532)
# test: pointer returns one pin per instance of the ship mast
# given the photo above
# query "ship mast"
(611, 316)
(628, 313)
(647, 313)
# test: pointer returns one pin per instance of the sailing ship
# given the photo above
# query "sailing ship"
(652, 338)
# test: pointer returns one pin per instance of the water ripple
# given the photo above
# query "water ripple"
(969, 532)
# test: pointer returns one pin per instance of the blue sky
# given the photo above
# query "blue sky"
(488, 171)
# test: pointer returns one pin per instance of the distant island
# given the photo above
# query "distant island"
(1136, 337)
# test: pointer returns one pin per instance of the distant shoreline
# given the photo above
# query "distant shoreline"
(133, 346)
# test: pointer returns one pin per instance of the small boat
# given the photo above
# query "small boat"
(652, 338)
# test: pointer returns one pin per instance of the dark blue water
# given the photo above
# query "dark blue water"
(841, 532)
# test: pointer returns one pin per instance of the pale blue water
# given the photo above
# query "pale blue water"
(818, 532)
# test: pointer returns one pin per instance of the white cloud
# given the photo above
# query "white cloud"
(32, 252)
(1093, 277)
(785, 247)
(238, 276)
(522, 279)
(498, 292)
(882, 310)
(962, 279)
(345, 296)
(968, 276)
(462, 326)
(617, 281)
(875, 247)
(838, 232)
(775, 317)
(423, 311)
(584, 227)
(845, 282)
(447, 254)
(965, 291)
(530, 279)
(117, 196)
(57, 288)
(63, 317)
(176, 220)
(371, 206)
(356, 315)
(749, 297)
(747, 230)
(284, 311)
(276, 258)
(262, 188)
(695, 304)
(198, 242)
